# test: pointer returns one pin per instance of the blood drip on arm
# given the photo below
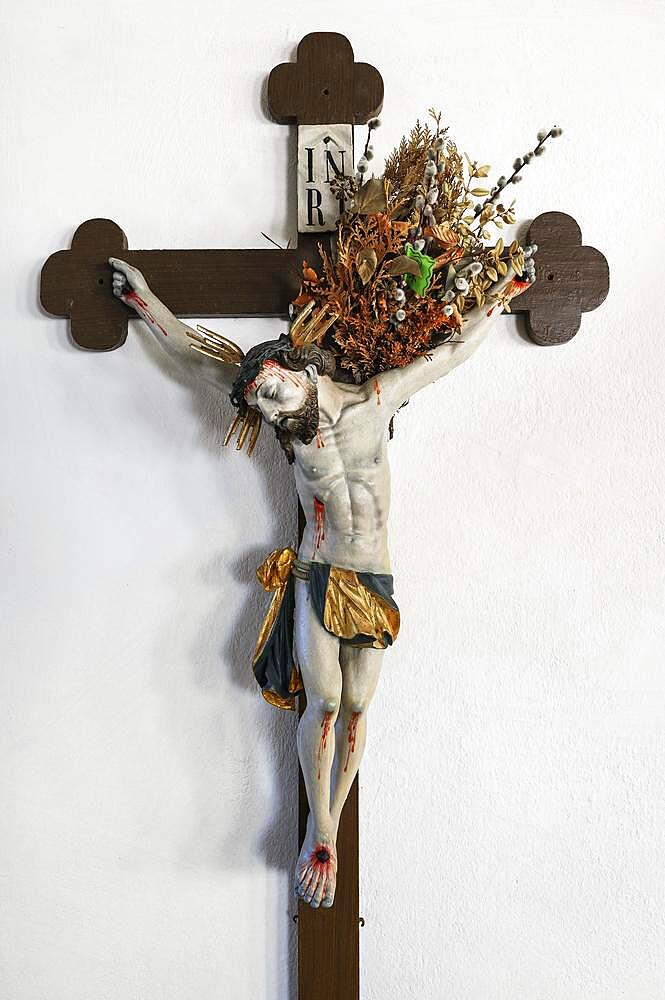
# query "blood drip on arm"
(145, 312)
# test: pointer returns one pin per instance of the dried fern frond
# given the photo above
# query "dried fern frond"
(405, 165)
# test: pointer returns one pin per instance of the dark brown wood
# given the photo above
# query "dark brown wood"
(570, 279)
(329, 940)
(324, 86)
(76, 283)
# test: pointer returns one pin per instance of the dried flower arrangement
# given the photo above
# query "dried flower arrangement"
(413, 253)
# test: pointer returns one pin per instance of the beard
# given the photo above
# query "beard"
(302, 423)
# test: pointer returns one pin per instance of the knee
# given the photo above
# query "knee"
(327, 705)
(355, 705)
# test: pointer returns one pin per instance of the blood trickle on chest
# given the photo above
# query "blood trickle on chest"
(319, 522)
(377, 390)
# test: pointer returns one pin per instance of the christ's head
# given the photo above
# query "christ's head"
(281, 382)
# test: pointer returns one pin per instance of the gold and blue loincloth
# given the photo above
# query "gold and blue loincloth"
(358, 608)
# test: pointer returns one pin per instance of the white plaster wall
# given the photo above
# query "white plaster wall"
(513, 790)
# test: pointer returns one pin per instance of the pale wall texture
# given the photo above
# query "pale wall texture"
(513, 789)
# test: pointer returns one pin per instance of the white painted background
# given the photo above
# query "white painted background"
(513, 789)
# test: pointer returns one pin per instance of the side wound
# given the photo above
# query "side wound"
(319, 522)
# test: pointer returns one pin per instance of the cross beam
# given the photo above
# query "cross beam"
(77, 282)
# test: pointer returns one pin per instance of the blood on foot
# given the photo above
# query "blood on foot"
(316, 872)
(320, 862)
(351, 737)
(319, 439)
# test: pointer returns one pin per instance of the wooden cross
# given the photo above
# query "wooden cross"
(570, 279)
(325, 92)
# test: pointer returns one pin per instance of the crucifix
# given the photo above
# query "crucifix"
(337, 588)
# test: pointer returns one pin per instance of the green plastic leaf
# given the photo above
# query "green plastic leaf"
(421, 283)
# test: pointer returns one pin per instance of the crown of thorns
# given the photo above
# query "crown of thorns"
(295, 351)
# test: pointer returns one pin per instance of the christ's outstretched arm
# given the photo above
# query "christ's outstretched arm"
(399, 384)
(179, 340)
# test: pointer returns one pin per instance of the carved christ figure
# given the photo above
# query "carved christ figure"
(333, 612)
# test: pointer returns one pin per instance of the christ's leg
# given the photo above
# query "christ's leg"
(318, 659)
(360, 673)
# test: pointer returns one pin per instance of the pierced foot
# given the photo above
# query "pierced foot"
(316, 870)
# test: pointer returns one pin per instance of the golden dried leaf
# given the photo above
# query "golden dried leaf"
(443, 234)
(372, 197)
(366, 263)
(498, 249)
(491, 273)
(479, 192)
(502, 267)
(303, 299)
(514, 247)
(402, 265)
(483, 171)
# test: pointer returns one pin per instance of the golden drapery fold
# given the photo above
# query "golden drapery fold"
(357, 608)
(273, 575)
(352, 609)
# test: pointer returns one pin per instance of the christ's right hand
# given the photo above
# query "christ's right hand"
(177, 339)
(128, 280)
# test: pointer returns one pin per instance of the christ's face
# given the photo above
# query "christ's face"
(285, 398)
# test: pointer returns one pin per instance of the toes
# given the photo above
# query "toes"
(305, 881)
(329, 896)
(320, 889)
(309, 894)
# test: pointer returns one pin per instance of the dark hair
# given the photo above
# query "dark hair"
(284, 353)
(305, 421)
